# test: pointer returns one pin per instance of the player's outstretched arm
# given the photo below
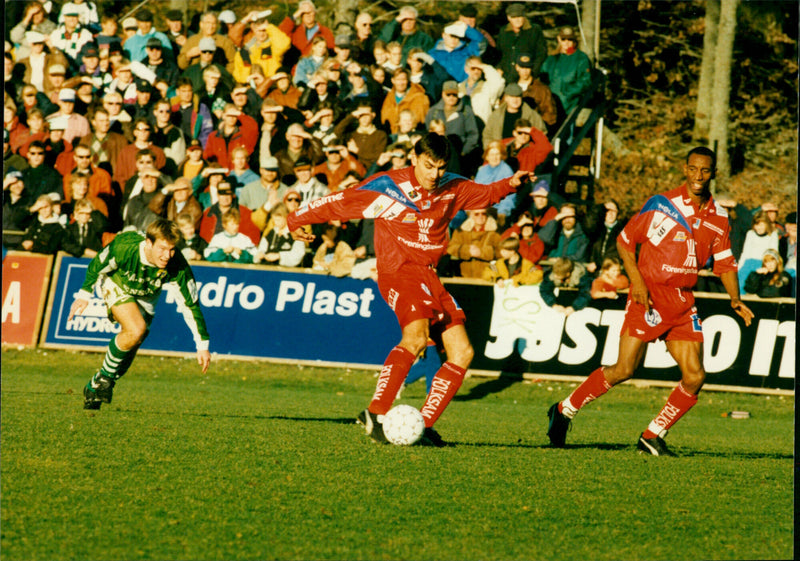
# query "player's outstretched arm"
(730, 280)
(521, 177)
(78, 307)
(301, 235)
(204, 359)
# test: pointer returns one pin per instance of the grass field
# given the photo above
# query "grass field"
(263, 461)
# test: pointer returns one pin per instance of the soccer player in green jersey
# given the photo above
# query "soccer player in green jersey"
(131, 272)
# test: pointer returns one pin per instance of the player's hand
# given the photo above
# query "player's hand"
(640, 294)
(744, 312)
(204, 359)
(301, 235)
(78, 306)
(521, 177)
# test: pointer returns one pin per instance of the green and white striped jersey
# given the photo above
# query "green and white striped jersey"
(124, 262)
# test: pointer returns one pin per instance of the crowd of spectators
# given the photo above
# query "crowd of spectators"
(227, 124)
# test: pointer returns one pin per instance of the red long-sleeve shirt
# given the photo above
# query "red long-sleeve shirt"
(411, 223)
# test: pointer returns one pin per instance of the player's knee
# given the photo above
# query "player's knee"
(693, 380)
(462, 355)
(134, 335)
(414, 343)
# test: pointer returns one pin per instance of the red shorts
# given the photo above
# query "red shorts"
(416, 292)
(652, 325)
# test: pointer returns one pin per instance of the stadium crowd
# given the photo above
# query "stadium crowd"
(228, 125)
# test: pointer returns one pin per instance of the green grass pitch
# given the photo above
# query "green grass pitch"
(263, 461)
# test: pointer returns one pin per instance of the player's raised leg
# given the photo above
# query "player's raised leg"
(120, 354)
(688, 356)
(560, 414)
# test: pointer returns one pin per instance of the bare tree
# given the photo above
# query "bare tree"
(704, 87)
(718, 128)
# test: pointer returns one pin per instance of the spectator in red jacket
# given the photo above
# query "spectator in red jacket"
(305, 27)
(235, 129)
(211, 222)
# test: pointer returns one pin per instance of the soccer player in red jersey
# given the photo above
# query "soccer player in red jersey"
(412, 208)
(676, 232)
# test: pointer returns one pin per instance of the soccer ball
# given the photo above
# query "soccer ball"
(403, 425)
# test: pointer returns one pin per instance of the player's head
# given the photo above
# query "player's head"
(430, 156)
(160, 240)
(699, 170)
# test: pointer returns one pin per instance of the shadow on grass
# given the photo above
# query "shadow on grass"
(495, 385)
(334, 420)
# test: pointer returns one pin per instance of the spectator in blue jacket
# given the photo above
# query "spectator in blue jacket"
(136, 46)
(566, 274)
(459, 42)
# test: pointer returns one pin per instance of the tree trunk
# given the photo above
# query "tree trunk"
(590, 12)
(704, 87)
(718, 129)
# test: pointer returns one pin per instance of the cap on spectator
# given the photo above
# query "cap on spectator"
(513, 90)
(153, 43)
(270, 163)
(515, 10)
(456, 29)
(769, 207)
(174, 15)
(194, 145)
(407, 12)
(57, 70)
(129, 23)
(524, 60)
(144, 15)
(302, 163)
(791, 218)
(207, 44)
(567, 33)
(12, 174)
(774, 254)
(58, 123)
(34, 37)
(71, 9)
(541, 188)
(450, 86)
(342, 41)
(66, 94)
(227, 16)
(89, 51)
(144, 86)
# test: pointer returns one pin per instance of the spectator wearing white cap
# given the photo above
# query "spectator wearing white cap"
(87, 13)
(208, 59)
(306, 27)
(70, 36)
(459, 42)
(404, 30)
(266, 191)
(190, 52)
(58, 152)
(77, 125)
(35, 19)
(38, 61)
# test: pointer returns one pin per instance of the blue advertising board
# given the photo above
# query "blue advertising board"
(250, 312)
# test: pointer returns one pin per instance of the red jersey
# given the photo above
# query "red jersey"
(677, 238)
(411, 223)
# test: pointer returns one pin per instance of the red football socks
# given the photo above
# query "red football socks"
(678, 404)
(394, 372)
(444, 386)
(592, 387)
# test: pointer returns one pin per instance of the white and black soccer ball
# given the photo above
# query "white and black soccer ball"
(403, 425)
